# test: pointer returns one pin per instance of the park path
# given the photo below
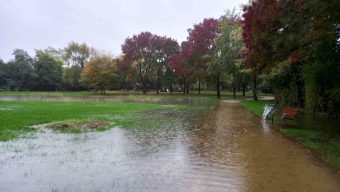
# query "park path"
(268, 161)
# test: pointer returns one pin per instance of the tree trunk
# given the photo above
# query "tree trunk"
(171, 89)
(218, 87)
(142, 79)
(234, 90)
(183, 86)
(144, 89)
(243, 89)
(254, 87)
(158, 83)
(199, 85)
(234, 85)
(187, 88)
(299, 94)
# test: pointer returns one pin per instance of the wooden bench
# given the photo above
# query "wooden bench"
(289, 113)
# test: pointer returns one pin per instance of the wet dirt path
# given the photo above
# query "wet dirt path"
(269, 161)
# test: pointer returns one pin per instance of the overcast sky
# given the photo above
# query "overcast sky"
(102, 24)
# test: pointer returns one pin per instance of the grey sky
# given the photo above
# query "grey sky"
(102, 24)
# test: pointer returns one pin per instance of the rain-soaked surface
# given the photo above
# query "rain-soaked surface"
(101, 98)
(231, 150)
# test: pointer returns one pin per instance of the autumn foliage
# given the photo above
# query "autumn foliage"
(296, 44)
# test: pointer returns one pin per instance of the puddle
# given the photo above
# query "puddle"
(230, 150)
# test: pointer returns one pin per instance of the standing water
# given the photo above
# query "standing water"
(232, 150)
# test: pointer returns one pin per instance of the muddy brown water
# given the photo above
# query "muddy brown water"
(231, 150)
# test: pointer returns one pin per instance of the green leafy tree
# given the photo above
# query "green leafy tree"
(20, 72)
(228, 46)
(49, 71)
(75, 56)
(163, 48)
(3, 74)
(71, 77)
(100, 73)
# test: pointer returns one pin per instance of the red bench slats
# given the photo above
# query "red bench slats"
(288, 113)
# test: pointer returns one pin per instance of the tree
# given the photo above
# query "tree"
(56, 53)
(260, 24)
(138, 53)
(3, 74)
(100, 73)
(202, 38)
(148, 54)
(20, 72)
(49, 71)
(71, 77)
(182, 65)
(228, 49)
(75, 56)
(297, 43)
(163, 48)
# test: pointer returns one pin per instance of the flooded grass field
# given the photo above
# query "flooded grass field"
(189, 145)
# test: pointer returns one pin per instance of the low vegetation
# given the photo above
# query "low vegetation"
(73, 126)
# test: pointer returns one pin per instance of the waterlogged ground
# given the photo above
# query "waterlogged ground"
(127, 98)
(228, 150)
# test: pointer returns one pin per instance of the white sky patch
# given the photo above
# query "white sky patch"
(102, 24)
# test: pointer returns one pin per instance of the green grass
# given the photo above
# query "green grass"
(16, 117)
(224, 94)
(314, 136)
(257, 107)
(48, 93)
(324, 143)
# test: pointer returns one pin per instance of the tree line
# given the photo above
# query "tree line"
(49, 70)
(208, 58)
(290, 46)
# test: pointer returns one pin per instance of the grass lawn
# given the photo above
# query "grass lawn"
(17, 117)
(313, 136)
(256, 107)
(224, 94)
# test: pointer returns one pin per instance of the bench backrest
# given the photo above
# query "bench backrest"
(290, 111)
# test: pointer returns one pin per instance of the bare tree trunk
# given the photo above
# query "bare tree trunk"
(199, 85)
(234, 90)
(234, 85)
(243, 89)
(183, 86)
(158, 83)
(144, 88)
(171, 89)
(299, 97)
(218, 86)
(187, 88)
(254, 87)
(142, 79)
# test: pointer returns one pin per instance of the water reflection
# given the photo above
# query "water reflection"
(265, 127)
